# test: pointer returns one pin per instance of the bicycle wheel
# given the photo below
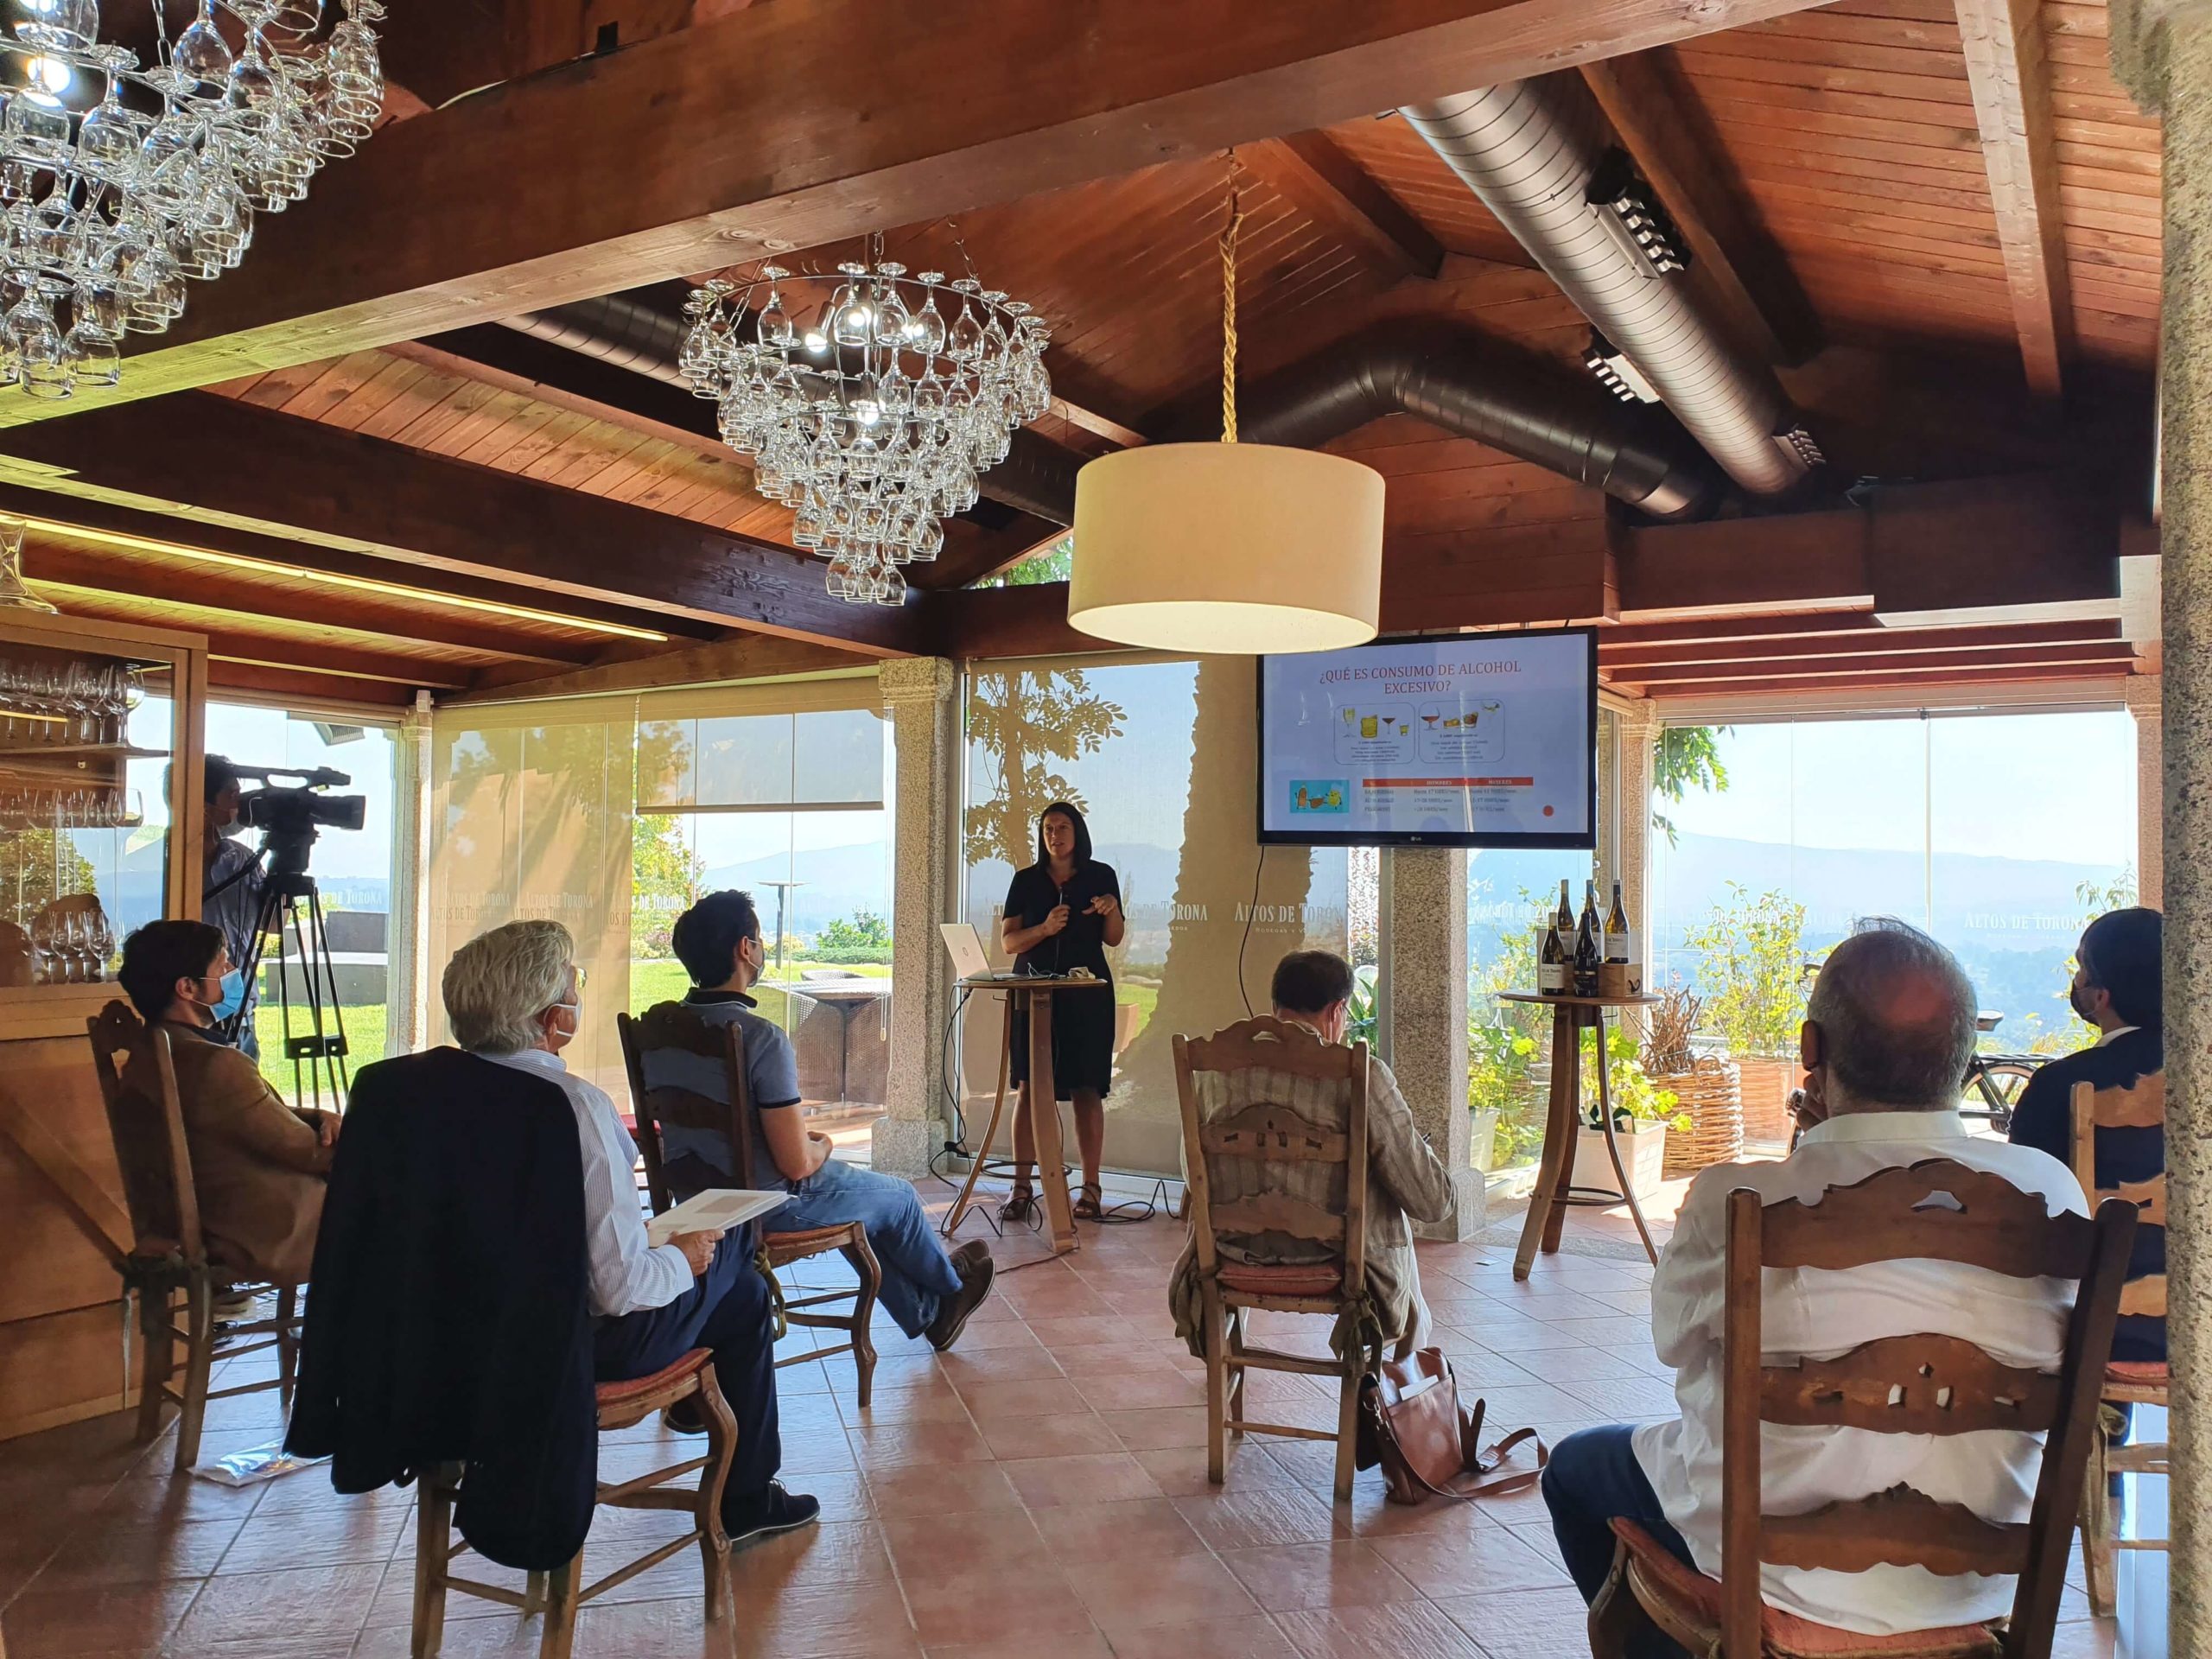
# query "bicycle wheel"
(1994, 1089)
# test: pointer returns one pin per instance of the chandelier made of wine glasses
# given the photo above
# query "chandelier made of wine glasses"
(120, 182)
(869, 400)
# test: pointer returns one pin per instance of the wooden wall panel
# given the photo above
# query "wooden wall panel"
(60, 1326)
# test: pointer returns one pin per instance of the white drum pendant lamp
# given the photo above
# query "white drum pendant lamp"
(1227, 548)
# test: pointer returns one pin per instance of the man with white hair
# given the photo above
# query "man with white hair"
(514, 996)
(1888, 1033)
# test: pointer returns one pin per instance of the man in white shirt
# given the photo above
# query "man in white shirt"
(514, 996)
(1888, 1033)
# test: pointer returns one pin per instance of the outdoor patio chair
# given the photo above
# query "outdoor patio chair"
(1918, 1384)
(2126, 1382)
(1248, 1148)
(169, 1254)
(672, 1025)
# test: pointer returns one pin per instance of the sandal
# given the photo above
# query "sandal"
(1087, 1208)
(1020, 1204)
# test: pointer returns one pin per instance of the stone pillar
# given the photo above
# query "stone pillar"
(407, 929)
(1631, 859)
(2146, 695)
(918, 697)
(1424, 950)
(2162, 53)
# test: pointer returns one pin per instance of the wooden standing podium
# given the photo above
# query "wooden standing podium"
(1030, 997)
(1548, 1207)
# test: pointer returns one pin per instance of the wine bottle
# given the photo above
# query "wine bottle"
(1620, 942)
(1551, 961)
(1589, 949)
(1565, 919)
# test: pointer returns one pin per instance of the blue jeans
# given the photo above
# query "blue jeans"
(1592, 1476)
(916, 1269)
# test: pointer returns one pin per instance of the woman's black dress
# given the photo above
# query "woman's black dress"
(1083, 1021)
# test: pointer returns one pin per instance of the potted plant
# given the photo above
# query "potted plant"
(1707, 1087)
(1751, 969)
(1499, 1060)
(1643, 1113)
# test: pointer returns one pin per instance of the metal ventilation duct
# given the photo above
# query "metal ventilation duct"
(1532, 150)
(613, 330)
(1469, 386)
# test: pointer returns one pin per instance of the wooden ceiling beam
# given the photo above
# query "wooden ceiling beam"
(1993, 542)
(414, 511)
(282, 555)
(2011, 78)
(1330, 188)
(301, 685)
(741, 656)
(1630, 662)
(1664, 129)
(1936, 662)
(425, 230)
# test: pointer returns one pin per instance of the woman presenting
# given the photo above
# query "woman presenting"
(1062, 913)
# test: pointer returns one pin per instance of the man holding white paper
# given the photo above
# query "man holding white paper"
(514, 997)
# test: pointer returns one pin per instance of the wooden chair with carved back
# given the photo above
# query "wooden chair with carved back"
(1256, 1151)
(168, 1254)
(1918, 1384)
(670, 1026)
(2126, 1381)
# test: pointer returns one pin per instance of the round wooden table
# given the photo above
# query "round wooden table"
(1548, 1207)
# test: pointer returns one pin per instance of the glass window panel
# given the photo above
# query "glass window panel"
(1159, 757)
(667, 773)
(745, 760)
(838, 757)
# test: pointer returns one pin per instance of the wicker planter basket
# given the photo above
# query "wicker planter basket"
(1765, 1087)
(1710, 1092)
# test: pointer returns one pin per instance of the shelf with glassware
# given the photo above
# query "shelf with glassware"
(100, 752)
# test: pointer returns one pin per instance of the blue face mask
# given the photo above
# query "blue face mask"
(232, 999)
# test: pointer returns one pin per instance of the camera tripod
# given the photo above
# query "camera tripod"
(290, 903)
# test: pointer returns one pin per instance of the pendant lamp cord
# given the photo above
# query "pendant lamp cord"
(1228, 308)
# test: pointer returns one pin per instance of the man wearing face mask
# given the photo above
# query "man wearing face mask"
(231, 884)
(1888, 1032)
(258, 1167)
(2117, 989)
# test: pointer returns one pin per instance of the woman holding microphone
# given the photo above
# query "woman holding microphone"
(1062, 913)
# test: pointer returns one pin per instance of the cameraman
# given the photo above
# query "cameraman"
(231, 888)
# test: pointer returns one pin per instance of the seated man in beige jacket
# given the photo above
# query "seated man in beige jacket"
(1406, 1180)
(258, 1168)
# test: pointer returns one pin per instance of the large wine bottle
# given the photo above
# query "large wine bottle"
(1552, 968)
(1620, 942)
(1589, 949)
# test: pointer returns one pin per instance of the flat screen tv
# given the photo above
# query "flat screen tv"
(1474, 740)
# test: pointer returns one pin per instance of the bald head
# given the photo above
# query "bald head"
(1895, 1019)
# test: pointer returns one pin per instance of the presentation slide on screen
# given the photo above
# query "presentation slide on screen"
(1484, 737)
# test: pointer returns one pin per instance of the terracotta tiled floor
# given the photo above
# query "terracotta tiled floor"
(1041, 1490)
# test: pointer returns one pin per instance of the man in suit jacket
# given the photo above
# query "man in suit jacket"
(258, 1168)
(2117, 988)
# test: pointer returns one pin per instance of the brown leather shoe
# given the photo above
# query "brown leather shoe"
(952, 1313)
(974, 1252)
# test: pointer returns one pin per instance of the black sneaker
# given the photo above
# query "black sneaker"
(953, 1311)
(765, 1514)
(684, 1417)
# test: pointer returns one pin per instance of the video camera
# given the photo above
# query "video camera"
(289, 815)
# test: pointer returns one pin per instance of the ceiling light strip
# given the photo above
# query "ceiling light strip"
(332, 579)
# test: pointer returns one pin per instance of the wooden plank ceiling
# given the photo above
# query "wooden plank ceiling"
(1832, 162)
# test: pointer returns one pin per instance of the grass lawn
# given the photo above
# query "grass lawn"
(662, 980)
(365, 1039)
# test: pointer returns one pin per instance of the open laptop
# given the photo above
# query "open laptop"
(968, 961)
